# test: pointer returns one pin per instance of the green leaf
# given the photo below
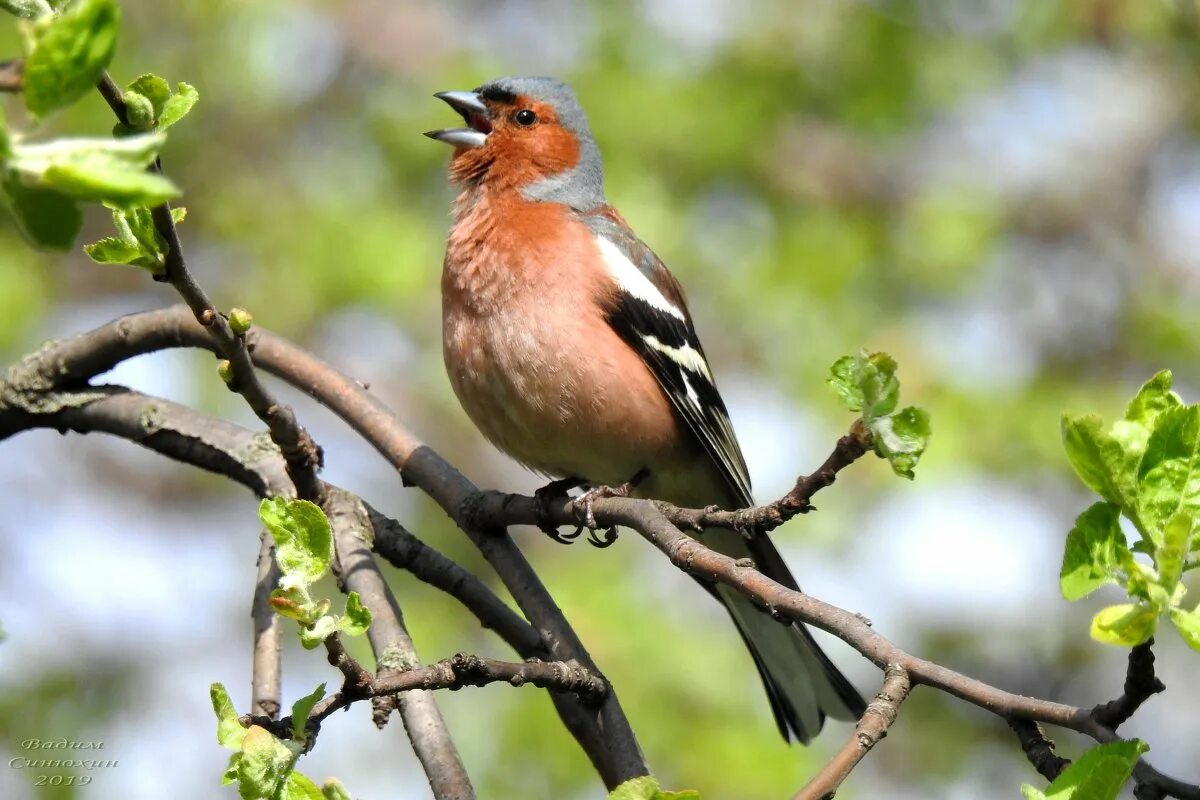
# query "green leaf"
(1169, 475)
(264, 763)
(866, 383)
(231, 772)
(334, 790)
(138, 110)
(300, 710)
(312, 636)
(27, 9)
(1030, 793)
(1188, 625)
(46, 218)
(357, 618)
(178, 214)
(299, 786)
(110, 181)
(901, 438)
(1169, 558)
(1098, 459)
(154, 89)
(109, 170)
(69, 57)
(112, 250)
(1096, 550)
(178, 105)
(1099, 774)
(1124, 625)
(5, 145)
(646, 788)
(230, 732)
(1152, 399)
(303, 540)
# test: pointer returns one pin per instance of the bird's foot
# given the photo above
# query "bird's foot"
(587, 517)
(542, 499)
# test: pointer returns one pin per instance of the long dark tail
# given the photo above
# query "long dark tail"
(802, 683)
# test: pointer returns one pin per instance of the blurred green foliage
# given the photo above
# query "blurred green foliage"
(998, 194)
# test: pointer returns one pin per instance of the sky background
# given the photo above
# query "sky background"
(1003, 194)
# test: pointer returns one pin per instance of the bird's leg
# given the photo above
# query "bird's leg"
(583, 505)
(542, 499)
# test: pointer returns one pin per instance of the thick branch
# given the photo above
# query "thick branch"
(607, 738)
(872, 727)
(393, 647)
(265, 688)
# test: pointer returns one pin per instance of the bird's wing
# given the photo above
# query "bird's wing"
(649, 312)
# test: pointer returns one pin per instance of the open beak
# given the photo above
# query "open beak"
(474, 113)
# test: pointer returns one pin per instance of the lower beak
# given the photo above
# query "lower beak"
(470, 105)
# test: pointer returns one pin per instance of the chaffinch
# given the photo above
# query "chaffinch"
(570, 346)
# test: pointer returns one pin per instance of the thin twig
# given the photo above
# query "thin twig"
(1038, 749)
(871, 727)
(302, 454)
(11, 73)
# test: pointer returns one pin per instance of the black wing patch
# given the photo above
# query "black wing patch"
(670, 348)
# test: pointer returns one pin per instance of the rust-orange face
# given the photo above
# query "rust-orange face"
(511, 138)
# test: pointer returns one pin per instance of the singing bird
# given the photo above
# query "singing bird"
(571, 348)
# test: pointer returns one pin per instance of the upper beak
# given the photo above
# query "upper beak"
(470, 105)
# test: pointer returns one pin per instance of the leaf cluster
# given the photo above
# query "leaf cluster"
(1146, 468)
(866, 383)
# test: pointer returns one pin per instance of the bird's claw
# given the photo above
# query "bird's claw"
(601, 542)
(542, 499)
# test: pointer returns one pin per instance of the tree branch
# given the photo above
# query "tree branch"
(1140, 684)
(11, 73)
(393, 648)
(607, 737)
(265, 683)
(871, 727)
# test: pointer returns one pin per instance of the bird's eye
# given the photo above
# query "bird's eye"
(525, 117)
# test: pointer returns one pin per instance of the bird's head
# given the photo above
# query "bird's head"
(528, 135)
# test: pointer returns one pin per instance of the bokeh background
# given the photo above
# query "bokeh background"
(1005, 194)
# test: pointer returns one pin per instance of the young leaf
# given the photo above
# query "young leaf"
(1169, 475)
(70, 55)
(109, 170)
(303, 541)
(312, 636)
(646, 788)
(333, 789)
(357, 618)
(178, 105)
(138, 110)
(231, 771)
(264, 763)
(1032, 793)
(47, 218)
(1169, 557)
(901, 438)
(299, 786)
(866, 383)
(230, 732)
(1099, 774)
(27, 9)
(300, 710)
(112, 250)
(154, 89)
(1097, 458)
(1188, 625)
(1152, 399)
(1124, 625)
(1095, 550)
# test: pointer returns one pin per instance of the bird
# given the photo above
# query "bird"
(569, 345)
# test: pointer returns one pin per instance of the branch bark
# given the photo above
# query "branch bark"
(871, 728)
(393, 647)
